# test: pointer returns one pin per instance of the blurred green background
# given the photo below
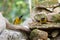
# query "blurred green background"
(14, 8)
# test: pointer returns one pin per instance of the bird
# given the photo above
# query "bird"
(18, 20)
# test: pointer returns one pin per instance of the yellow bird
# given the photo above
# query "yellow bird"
(18, 20)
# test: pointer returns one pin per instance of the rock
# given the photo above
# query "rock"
(40, 18)
(56, 38)
(2, 23)
(13, 35)
(54, 17)
(57, 10)
(38, 34)
(55, 33)
(48, 38)
(48, 26)
(51, 26)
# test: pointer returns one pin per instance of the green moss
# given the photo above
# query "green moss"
(33, 33)
(39, 16)
(56, 18)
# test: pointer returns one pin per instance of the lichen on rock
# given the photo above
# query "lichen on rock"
(38, 34)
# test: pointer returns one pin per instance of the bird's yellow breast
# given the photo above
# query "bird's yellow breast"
(17, 21)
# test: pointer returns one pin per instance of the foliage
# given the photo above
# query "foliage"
(14, 8)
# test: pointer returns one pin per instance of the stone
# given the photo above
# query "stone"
(48, 38)
(38, 34)
(55, 33)
(13, 35)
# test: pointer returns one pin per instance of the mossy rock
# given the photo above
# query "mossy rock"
(38, 34)
(39, 16)
(56, 18)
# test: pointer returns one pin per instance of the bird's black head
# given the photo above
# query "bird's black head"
(20, 16)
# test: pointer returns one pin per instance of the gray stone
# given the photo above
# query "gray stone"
(38, 34)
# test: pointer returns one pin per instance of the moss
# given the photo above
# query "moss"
(56, 18)
(39, 16)
(33, 33)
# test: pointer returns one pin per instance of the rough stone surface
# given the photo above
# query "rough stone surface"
(12, 35)
(38, 34)
(49, 25)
